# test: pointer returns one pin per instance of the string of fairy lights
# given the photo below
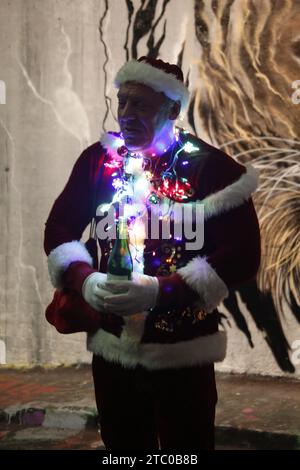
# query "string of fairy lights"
(167, 184)
(138, 186)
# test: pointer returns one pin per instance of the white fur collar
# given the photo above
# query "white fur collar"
(233, 195)
(230, 197)
(111, 142)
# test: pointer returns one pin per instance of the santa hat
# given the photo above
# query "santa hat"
(157, 74)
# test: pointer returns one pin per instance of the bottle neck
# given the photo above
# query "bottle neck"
(122, 233)
(120, 264)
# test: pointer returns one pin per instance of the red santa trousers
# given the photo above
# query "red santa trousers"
(141, 409)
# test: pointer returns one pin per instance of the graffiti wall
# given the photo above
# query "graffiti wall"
(241, 60)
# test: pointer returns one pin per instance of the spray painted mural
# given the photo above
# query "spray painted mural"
(243, 70)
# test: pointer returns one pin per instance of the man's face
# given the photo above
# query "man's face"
(141, 113)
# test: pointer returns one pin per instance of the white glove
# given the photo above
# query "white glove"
(94, 290)
(141, 294)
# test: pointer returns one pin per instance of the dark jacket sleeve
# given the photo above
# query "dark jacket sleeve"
(236, 237)
(72, 210)
(69, 261)
(233, 256)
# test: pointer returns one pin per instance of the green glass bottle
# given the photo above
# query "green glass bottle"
(120, 265)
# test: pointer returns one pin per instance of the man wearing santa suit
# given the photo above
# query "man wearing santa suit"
(156, 337)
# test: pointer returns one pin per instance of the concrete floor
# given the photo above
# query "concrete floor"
(55, 409)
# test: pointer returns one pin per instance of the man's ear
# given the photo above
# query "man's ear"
(174, 110)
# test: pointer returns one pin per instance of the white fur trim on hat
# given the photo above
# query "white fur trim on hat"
(62, 256)
(201, 277)
(141, 72)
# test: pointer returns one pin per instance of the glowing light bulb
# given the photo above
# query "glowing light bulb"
(148, 175)
(117, 183)
(189, 147)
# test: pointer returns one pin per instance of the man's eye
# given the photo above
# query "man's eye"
(141, 105)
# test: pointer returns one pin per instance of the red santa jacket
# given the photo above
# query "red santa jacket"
(183, 327)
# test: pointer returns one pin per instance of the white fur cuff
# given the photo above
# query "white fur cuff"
(201, 277)
(62, 256)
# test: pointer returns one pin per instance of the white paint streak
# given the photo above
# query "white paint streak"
(20, 265)
(66, 106)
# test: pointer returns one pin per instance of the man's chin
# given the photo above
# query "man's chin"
(133, 145)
